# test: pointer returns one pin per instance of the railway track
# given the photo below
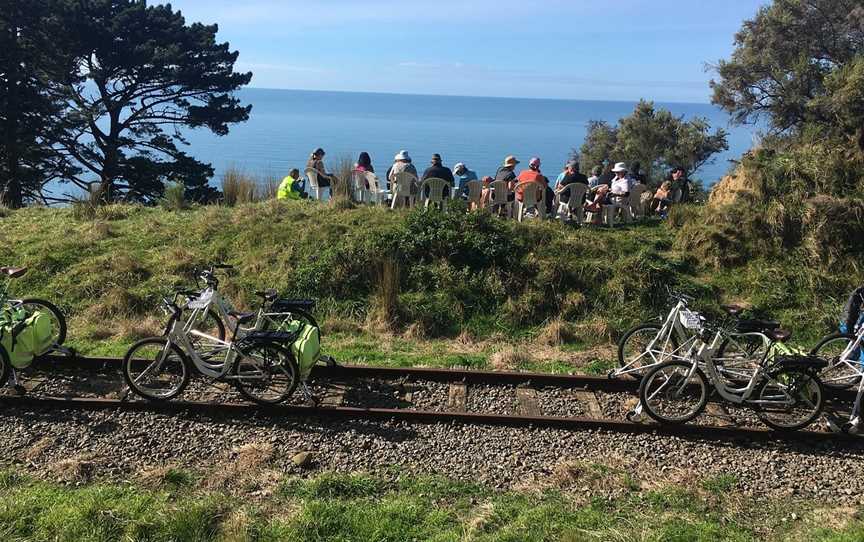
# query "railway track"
(583, 388)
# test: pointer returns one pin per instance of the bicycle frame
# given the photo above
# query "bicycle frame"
(671, 325)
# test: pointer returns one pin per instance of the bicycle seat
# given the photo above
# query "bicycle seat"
(242, 317)
(748, 325)
(293, 304)
(13, 272)
(269, 294)
(732, 310)
(778, 335)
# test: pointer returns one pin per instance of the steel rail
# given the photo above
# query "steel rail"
(421, 416)
(434, 374)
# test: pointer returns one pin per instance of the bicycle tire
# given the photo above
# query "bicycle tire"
(5, 366)
(285, 357)
(819, 346)
(629, 334)
(187, 369)
(801, 425)
(647, 381)
(56, 312)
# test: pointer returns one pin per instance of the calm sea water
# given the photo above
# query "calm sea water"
(286, 125)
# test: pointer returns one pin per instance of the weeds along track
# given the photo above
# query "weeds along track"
(416, 395)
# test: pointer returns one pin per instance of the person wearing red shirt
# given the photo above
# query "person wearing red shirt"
(533, 174)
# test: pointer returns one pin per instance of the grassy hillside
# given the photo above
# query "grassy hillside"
(401, 287)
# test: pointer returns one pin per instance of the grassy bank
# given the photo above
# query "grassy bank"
(401, 288)
(174, 505)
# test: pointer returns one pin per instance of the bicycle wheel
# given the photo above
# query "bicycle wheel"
(789, 400)
(633, 347)
(211, 325)
(266, 373)
(669, 396)
(839, 374)
(58, 321)
(156, 369)
(5, 366)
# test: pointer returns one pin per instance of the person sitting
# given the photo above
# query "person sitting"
(316, 162)
(486, 194)
(662, 199)
(291, 187)
(620, 186)
(597, 199)
(607, 175)
(571, 175)
(636, 175)
(401, 163)
(364, 163)
(463, 177)
(594, 179)
(680, 185)
(437, 170)
(533, 174)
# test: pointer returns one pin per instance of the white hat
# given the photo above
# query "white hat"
(458, 166)
(403, 155)
(620, 166)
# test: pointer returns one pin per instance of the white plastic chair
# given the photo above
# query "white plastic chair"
(637, 206)
(500, 198)
(575, 202)
(534, 196)
(315, 190)
(475, 192)
(401, 190)
(436, 188)
(375, 194)
(358, 186)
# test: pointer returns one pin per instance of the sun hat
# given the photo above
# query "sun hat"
(402, 155)
(510, 161)
(534, 162)
(458, 166)
(619, 167)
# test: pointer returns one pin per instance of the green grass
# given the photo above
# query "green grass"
(362, 507)
(499, 281)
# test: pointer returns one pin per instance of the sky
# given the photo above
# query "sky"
(570, 49)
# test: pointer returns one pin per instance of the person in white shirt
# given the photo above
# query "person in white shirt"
(621, 183)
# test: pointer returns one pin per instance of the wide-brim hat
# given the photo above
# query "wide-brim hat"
(510, 161)
(619, 167)
(402, 155)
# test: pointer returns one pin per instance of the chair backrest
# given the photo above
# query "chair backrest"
(372, 179)
(312, 175)
(402, 184)
(577, 194)
(475, 191)
(500, 191)
(436, 189)
(636, 194)
(531, 193)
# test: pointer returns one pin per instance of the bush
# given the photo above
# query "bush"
(174, 198)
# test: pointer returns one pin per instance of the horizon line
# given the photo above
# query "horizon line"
(477, 96)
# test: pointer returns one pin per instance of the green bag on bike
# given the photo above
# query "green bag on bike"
(25, 337)
(307, 347)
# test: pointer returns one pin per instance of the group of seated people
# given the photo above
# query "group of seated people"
(605, 186)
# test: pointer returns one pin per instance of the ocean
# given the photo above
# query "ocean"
(286, 125)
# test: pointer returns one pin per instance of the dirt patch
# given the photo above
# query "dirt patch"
(38, 448)
(78, 469)
(247, 470)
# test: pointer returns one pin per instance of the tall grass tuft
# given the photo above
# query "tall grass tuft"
(87, 207)
(174, 197)
(340, 186)
(385, 311)
(4, 211)
(238, 187)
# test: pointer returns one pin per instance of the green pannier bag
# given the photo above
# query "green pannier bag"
(307, 347)
(27, 339)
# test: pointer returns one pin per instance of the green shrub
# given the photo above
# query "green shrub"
(174, 198)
